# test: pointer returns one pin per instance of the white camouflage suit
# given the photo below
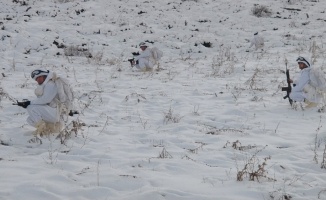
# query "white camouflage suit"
(303, 89)
(44, 107)
(145, 60)
(257, 41)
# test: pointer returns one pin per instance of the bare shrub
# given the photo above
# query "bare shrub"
(164, 154)
(113, 61)
(317, 144)
(143, 121)
(137, 96)
(77, 51)
(216, 131)
(97, 57)
(66, 133)
(53, 154)
(293, 24)
(315, 51)
(238, 146)
(22, 3)
(223, 63)
(323, 163)
(252, 80)
(117, 62)
(171, 117)
(320, 193)
(224, 55)
(254, 169)
(261, 11)
(4, 94)
(35, 139)
(195, 150)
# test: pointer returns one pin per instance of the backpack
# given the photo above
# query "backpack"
(66, 95)
(317, 79)
(156, 54)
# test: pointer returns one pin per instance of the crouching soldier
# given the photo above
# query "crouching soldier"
(147, 58)
(303, 91)
(53, 100)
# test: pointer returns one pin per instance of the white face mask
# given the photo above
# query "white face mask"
(39, 90)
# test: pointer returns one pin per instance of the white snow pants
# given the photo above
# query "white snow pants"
(311, 96)
(144, 64)
(297, 96)
(41, 112)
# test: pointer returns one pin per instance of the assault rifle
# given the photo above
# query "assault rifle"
(24, 105)
(132, 59)
(287, 89)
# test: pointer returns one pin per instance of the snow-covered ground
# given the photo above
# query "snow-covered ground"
(195, 128)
